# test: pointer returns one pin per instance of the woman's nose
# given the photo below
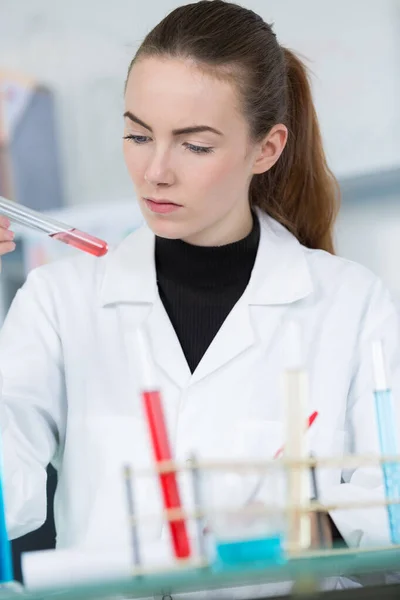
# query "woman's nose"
(159, 170)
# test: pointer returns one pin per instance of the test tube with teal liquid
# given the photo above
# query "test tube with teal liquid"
(6, 566)
(387, 438)
(6, 569)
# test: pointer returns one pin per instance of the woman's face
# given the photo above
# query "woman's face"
(187, 150)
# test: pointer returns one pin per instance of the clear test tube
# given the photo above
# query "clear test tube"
(54, 229)
(388, 437)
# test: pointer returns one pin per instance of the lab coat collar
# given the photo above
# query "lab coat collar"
(280, 274)
(130, 272)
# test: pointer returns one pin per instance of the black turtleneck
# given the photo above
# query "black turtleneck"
(199, 285)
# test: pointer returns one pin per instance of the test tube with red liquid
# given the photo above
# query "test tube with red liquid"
(154, 412)
(54, 229)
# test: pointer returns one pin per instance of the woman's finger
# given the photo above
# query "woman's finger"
(4, 222)
(6, 247)
(6, 235)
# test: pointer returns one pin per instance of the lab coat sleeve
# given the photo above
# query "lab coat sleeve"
(32, 402)
(368, 526)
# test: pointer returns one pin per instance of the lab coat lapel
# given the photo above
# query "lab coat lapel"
(234, 337)
(166, 348)
(130, 284)
(279, 278)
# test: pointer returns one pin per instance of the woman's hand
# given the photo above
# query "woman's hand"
(6, 237)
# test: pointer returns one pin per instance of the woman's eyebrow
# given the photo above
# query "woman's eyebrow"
(182, 131)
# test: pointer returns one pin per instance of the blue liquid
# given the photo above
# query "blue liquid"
(388, 446)
(6, 570)
(265, 550)
(6, 566)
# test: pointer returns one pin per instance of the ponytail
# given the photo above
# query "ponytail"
(300, 191)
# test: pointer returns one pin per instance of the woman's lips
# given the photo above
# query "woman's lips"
(161, 206)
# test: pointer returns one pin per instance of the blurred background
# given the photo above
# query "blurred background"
(62, 72)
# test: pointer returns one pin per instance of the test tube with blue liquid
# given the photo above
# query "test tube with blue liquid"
(6, 567)
(387, 438)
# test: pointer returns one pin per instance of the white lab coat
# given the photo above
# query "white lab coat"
(70, 383)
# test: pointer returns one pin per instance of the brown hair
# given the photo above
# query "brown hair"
(233, 42)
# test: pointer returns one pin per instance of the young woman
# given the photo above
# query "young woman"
(222, 144)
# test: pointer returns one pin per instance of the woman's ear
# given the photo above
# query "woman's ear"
(270, 149)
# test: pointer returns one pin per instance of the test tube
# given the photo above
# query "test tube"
(197, 496)
(6, 566)
(296, 403)
(128, 479)
(387, 438)
(316, 498)
(152, 402)
(54, 229)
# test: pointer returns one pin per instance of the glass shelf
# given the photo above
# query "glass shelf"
(305, 571)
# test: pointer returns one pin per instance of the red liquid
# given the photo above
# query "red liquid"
(168, 482)
(82, 241)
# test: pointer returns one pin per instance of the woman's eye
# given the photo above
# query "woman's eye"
(143, 139)
(200, 149)
(137, 139)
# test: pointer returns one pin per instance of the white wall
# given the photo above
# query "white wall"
(354, 47)
(82, 48)
(370, 234)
